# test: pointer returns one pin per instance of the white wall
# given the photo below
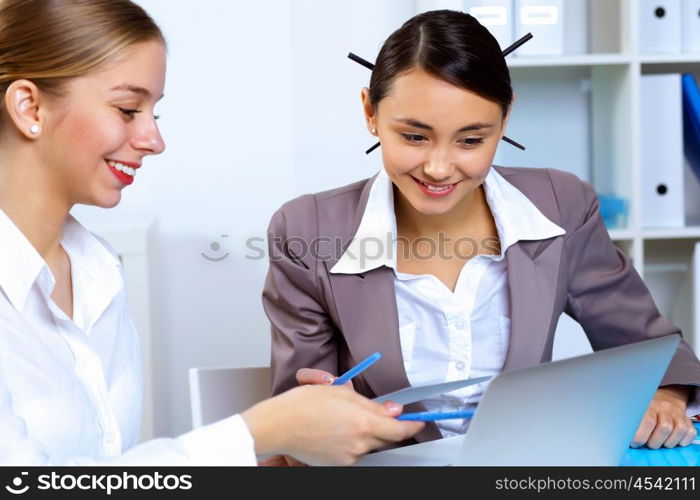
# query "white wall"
(331, 136)
(261, 105)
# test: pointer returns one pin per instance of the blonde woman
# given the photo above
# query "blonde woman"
(80, 80)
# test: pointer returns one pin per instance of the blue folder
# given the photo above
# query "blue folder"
(691, 122)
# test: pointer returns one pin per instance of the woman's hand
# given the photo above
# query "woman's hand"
(325, 425)
(305, 376)
(665, 423)
(311, 376)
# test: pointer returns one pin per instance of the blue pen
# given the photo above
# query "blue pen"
(357, 369)
(428, 416)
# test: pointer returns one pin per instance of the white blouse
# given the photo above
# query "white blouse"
(448, 335)
(70, 389)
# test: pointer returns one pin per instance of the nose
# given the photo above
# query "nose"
(148, 140)
(438, 166)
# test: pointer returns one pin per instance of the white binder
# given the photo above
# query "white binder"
(659, 26)
(691, 25)
(496, 16)
(663, 197)
(692, 195)
(576, 27)
(692, 334)
(545, 20)
(685, 312)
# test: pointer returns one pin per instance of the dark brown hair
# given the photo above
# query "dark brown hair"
(450, 45)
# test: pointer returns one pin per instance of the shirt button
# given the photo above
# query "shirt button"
(110, 438)
(460, 365)
(459, 324)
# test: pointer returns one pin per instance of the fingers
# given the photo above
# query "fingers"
(393, 409)
(665, 432)
(681, 429)
(335, 425)
(392, 430)
(667, 429)
(293, 462)
(311, 376)
(645, 429)
(276, 461)
(383, 424)
(690, 435)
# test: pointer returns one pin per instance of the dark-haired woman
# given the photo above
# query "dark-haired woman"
(449, 266)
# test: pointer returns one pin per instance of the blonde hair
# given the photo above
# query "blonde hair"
(50, 41)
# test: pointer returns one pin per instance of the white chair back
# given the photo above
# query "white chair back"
(217, 393)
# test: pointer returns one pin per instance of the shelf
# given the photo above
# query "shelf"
(684, 58)
(602, 60)
(671, 233)
(571, 60)
(621, 234)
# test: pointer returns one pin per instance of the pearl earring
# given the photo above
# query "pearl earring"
(34, 129)
(374, 130)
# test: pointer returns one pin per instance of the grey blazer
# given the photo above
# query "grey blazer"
(332, 321)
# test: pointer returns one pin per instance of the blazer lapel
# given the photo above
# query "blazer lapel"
(366, 305)
(534, 269)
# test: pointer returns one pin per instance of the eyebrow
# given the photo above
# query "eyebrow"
(135, 89)
(466, 128)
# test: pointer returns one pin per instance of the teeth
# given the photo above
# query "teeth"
(435, 189)
(122, 168)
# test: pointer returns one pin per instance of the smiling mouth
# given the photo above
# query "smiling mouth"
(435, 188)
(130, 171)
(124, 173)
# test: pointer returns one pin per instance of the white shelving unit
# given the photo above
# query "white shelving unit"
(581, 113)
(573, 60)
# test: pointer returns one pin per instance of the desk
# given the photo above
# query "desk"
(438, 453)
(690, 455)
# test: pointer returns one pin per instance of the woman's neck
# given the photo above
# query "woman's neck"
(28, 199)
(466, 216)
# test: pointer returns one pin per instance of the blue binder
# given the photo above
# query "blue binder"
(691, 122)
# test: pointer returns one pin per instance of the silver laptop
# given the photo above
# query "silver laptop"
(578, 411)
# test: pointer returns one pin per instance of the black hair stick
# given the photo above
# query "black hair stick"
(517, 44)
(513, 143)
(373, 148)
(361, 61)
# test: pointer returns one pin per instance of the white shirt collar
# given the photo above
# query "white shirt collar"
(21, 265)
(374, 243)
